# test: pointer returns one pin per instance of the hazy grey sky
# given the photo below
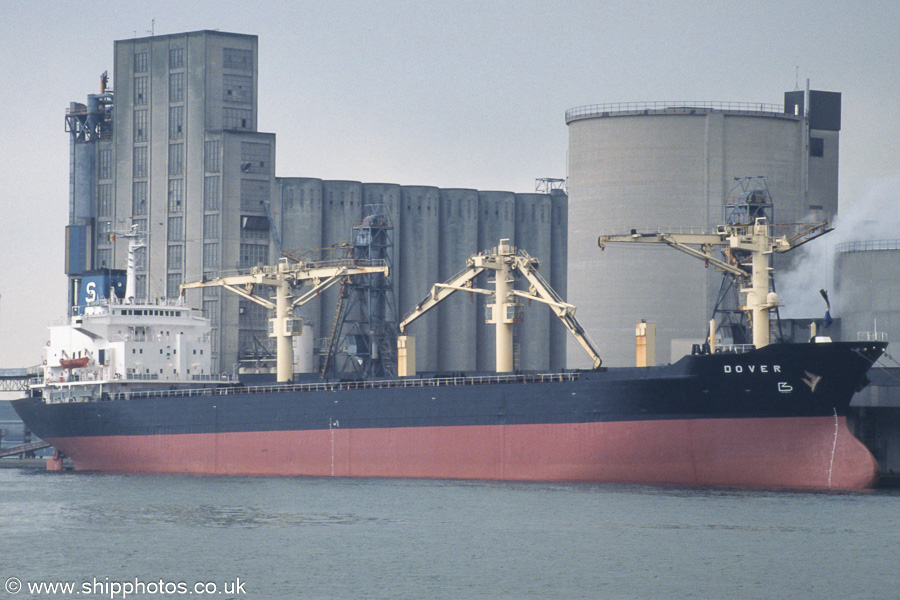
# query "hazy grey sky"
(452, 94)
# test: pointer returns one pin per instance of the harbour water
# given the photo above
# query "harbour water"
(376, 538)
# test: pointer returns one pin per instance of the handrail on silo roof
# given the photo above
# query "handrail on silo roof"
(613, 108)
(868, 245)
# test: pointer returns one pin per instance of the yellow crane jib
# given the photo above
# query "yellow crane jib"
(758, 240)
(505, 261)
(285, 277)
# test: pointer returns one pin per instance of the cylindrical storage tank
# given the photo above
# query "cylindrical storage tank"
(419, 266)
(559, 233)
(496, 221)
(458, 314)
(301, 214)
(654, 166)
(533, 236)
(341, 210)
(867, 289)
(82, 175)
(93, 109)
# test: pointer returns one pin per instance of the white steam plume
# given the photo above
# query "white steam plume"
(874, 216)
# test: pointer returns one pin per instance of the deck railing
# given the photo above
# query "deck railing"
(871, 336)
(734, 348)
(333, 386)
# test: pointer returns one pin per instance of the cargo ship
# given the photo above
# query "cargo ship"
(145, 401)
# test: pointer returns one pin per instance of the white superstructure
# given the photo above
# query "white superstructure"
(114, 346)
(130, 341)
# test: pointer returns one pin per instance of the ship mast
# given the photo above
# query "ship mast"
(136, 240)
(756, 239)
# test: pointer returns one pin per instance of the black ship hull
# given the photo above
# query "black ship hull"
(769, 417)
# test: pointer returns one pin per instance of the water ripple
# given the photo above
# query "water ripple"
(204, 515)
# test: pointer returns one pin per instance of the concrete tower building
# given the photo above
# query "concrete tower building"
(184, 163)
(671, 166)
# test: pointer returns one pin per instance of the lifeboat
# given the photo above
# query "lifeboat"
(73, 363)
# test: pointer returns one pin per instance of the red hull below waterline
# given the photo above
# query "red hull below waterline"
(810, 452)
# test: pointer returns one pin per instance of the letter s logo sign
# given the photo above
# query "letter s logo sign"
(91, 292)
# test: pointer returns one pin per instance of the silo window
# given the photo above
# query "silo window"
(140, 61)
(816, 146)
(254, 223)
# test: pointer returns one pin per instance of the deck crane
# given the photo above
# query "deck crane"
(285, 277)
(754, 276)
(504, 260)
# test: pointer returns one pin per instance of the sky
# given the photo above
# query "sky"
(449, 94)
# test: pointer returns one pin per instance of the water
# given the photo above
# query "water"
(377, 538)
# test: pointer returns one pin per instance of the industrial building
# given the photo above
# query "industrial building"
(672, 166)
(174, 150)
(867, 279)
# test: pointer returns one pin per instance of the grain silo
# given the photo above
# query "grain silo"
(418, 249)
(559, 224)
(199, 181)
(534, 235)
(458, 315)
(671, 166)
(301, 210)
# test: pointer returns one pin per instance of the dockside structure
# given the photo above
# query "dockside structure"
(172, 146)
(673, 165)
